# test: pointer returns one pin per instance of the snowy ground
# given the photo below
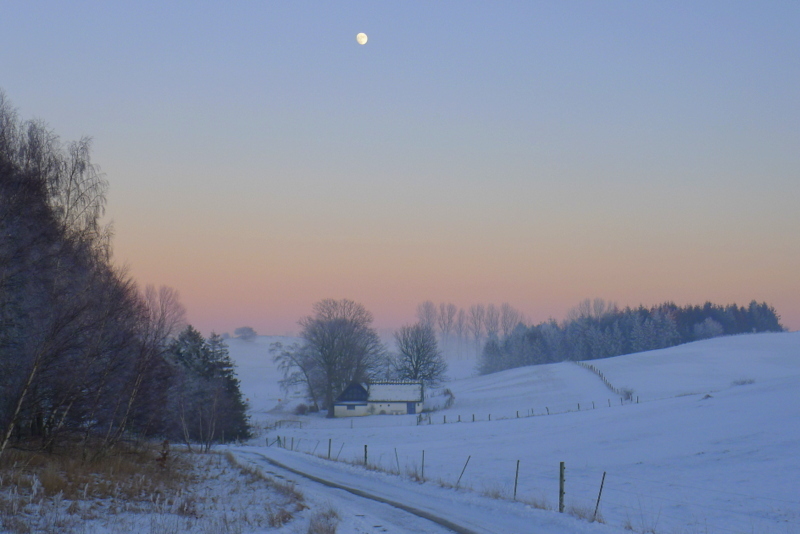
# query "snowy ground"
(710, 447)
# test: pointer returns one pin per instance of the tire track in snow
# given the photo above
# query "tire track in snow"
(441, 521)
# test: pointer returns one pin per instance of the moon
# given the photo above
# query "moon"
(361, 38)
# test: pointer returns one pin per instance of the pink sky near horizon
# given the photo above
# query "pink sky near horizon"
(271, 284)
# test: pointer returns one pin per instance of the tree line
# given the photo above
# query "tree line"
(85, 354)
(597, 329)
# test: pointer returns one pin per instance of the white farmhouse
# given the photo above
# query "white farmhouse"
(393, 397)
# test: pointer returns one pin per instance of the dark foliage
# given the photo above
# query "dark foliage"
(206, 401)
(81, 348)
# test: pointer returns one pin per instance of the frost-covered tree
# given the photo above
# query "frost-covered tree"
(597, 329)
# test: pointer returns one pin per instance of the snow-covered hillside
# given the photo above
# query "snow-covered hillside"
(259, 376)
(711, 446)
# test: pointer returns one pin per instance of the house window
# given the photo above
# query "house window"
(351, 407)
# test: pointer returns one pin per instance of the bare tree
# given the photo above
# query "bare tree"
(426, 313)
(419, 357)
(161, 317)
(447, 317)
(461, 329)
(591, 309)
(299, 368)
(509, 318)
(491, 321)
(477, 314)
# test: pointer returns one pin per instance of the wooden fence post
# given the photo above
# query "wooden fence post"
(330, 442)
(365, 455)
(516, 478)
(596, 506)
(462, 471)
(561, 488)
(423, 465)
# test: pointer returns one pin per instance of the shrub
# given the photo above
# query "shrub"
(743, 382)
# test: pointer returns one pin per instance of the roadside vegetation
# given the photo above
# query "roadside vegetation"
(142, 487)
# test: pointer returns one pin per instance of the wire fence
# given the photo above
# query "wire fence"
(635, 503)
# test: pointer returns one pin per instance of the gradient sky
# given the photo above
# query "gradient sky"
(536, 153)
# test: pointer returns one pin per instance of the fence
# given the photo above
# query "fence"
(635, 503)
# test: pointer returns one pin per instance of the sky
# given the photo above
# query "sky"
(535, 153)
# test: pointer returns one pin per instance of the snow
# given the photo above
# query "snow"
(710, 447)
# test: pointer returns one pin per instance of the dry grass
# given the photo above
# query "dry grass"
(54, 492)
(585, 513)
(539, 503)
(139, 488)
(324, 522)
(496, 491)
(129, 472)
(413, 472)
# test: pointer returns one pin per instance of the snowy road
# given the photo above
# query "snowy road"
(463, 512)
(358, 515)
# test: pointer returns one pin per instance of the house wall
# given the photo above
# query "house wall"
(340, 410)
(391, 408)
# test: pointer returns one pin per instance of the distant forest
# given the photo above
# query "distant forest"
(596, 329)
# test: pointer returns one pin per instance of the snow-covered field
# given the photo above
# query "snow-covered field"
(710, 447)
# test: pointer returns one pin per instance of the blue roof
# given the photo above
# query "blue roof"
(355, 392)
